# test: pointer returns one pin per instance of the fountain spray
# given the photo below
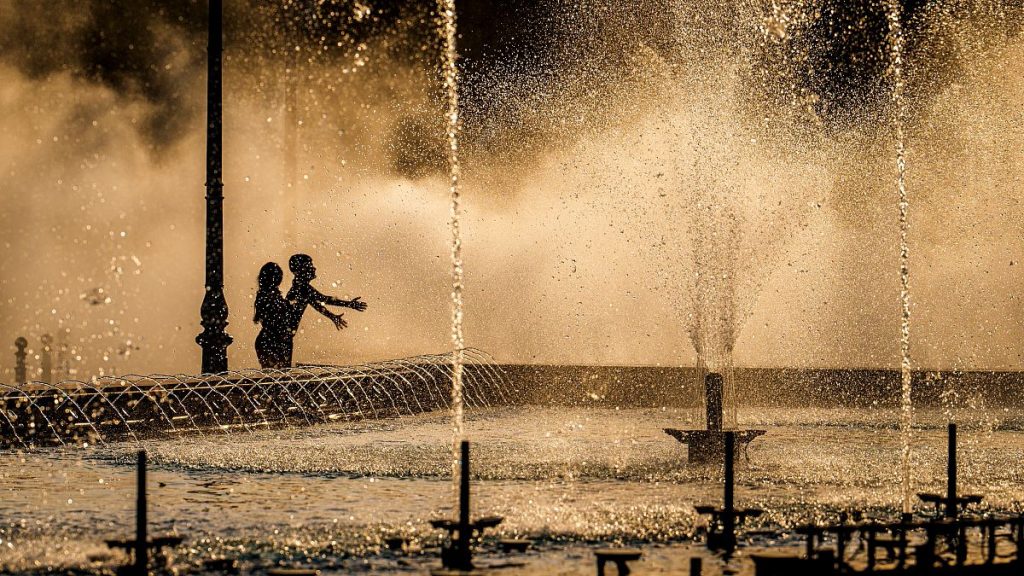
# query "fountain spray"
(895, 41)
(451, 88)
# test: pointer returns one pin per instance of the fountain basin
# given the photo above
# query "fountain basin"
(707, 447)
(327, 496)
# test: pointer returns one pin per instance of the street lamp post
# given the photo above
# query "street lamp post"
(214, 312)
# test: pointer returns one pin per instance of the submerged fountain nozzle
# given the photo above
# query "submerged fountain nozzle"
(952, 504)
(465, 556)
(724, 520)
(141, 546)
(458, 554)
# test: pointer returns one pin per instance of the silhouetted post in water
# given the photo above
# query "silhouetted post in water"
(459, 555)
(46, 359)
(713, 385)
(724, 520)
(949, 505)
(20, 373)
(728, 508)
(214, 312)
(463, 555)
(141, 538)
(951, 499)
(142, 545)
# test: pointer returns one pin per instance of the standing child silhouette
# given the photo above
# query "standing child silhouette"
(302, 294)
(274, 314)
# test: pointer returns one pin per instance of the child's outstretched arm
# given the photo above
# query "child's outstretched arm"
(339, 321)
(355, 303)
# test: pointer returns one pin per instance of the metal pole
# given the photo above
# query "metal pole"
(728, 512)
(214, 311)
(141, 538)
(464, 528)
(951, 502)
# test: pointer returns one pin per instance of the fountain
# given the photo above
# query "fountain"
(894, 37)
(345, 462)
(450, 76)
(708, 446)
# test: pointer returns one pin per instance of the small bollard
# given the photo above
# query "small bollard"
(696, 566)
(20, 373)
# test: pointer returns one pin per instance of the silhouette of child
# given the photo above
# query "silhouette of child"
(302, 294)
(275, 315)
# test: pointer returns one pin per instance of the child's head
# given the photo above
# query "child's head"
(302, 267)
(271, 276)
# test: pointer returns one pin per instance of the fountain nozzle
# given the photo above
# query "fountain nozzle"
(708, 446)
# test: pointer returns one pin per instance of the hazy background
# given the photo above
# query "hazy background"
(600, 138)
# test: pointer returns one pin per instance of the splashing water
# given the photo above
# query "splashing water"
(895, 41)
(136, 408)
(451, 87)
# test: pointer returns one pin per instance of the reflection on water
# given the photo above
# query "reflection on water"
(332, 492)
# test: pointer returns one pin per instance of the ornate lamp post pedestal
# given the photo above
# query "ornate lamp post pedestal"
(214, 311)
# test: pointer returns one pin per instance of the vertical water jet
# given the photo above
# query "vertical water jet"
(291, 130)
(895, 44)
(451, 87)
